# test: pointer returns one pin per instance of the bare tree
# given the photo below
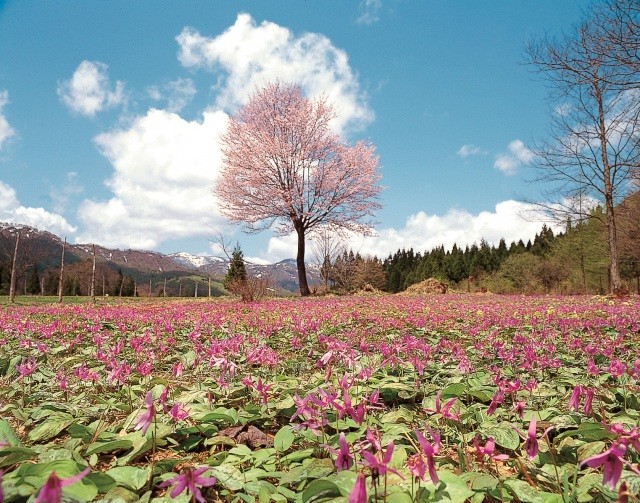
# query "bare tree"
(61, 278)
(326, 245)
(592, 151)
(14, 270)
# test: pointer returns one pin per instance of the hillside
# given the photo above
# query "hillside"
(150, 272)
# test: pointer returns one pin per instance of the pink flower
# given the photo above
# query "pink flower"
(359, 492)
(380, 467)
(27, 367)
(147, 417)
(498, 398)
(51, 491)
(519, 409)
(488, 449)
(178, 412)
(588, 400)
(611, 461)
(531, 442)
(428, 450)
(190, 480)
(445, 411)
(344, 461)
(574, 401)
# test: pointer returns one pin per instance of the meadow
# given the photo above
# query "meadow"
(392, 398)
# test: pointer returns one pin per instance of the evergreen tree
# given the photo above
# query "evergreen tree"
(33, 282)
(237, 271)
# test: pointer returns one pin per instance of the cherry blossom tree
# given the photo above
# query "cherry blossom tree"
(284, 168)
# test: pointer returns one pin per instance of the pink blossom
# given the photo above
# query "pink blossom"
(488, 449)
(611, 461)
(574, 401)
(190, 480)
(27, 367)
(178, 412)
(148, 416)
(51, 491)
(344, 460)
(358, 493)
(427, 452)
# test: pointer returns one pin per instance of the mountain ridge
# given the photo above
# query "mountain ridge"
(43, 249)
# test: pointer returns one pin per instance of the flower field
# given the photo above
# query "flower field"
(441, 398)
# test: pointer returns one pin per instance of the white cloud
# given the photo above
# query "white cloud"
(369, 11)
(252, 55)
(517, 155)
(6, 131)
(12, 211)
(61, 195)
(177, 93)
(164, 167)
(88, 91)
(424, 232)
(468, 150)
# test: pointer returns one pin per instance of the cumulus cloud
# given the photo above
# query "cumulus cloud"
(164, 168)
(177, 94)
(12, 211)
(424, 232)
(62, 195)
(369, 11)
(517, 154)
(89, 90)
(468, 150)
(6, 131)
(251, 55)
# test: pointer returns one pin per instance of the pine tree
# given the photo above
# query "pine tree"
(237, 270)
(33, 282)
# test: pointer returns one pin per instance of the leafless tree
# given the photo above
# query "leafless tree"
(326, 245)
(14, 270)
(592, 150)
(61, 278)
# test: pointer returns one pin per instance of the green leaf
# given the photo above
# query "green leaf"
(14, 455)
(588, 431)
(103, 482)
(504, 435)
(108, 446)
(131, 477)
(284, 439)
(453, 490)
(345, 481)
(229, 476)
(296, 456)
(526, 493)
(591, 449)
(121, 494)
(51, 427)
(399, 497)
(320, 489)
(7, 435)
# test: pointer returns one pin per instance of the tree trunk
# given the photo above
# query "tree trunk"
(614, 271)
(12, 284)
(302, 270)
(93, 276)
(61, 278)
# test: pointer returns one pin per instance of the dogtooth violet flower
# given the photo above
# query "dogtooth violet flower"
(192, 481)
(147, 417)
(358, 493)
(51, 491)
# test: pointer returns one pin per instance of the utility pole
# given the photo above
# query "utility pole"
(93, 275)
(12, 284)
(61, 278)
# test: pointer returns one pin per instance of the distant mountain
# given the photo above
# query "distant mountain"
(181, 271)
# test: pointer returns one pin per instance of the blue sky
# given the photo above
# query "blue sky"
(110, 112)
